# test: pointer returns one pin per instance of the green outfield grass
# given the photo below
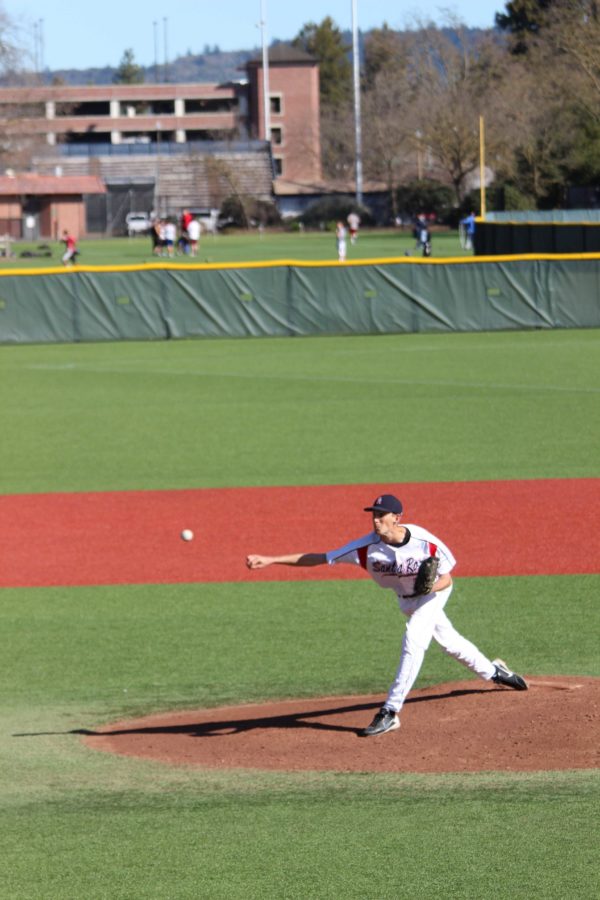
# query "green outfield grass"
(78, 823)
(243, 246)
(300, 411)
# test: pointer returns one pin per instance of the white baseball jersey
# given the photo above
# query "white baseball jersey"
(394, 566)
(193, 230)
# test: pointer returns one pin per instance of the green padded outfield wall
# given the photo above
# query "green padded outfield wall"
(538, 231)
(159, 301)
(543, 215)
(502, 238)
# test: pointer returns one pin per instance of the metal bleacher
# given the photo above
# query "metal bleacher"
(196, 174)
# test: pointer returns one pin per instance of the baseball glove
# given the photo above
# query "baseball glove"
(426, 576)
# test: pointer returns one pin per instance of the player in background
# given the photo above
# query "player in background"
(391, 554)
(467, 230)
(193, 231)
(340, 238)
(71, 252)
(353, 221)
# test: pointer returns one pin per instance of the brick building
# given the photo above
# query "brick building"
(166, 146)
(33, 205)
(294, 113)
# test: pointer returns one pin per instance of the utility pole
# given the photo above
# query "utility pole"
(38, 46)
(155, 26)
(36, 49)
(265, 67)
(165, 21)
(157, 173)
(357, 122)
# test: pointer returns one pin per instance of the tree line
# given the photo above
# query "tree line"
(535, 80)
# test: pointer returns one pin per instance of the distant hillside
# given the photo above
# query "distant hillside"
(212, 66)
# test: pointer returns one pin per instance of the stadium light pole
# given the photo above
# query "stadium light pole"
(38, 46)
(166, 51)
(265, 67)
(36, 49)
(357, 121)
(155, 26)
(41, 45)
(157, 173)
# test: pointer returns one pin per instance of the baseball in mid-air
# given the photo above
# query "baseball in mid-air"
(187, 535)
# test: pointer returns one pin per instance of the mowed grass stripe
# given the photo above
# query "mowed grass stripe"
(199, 373)
(308, 411)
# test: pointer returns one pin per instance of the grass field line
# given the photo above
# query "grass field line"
(439, 345)
(432, 382)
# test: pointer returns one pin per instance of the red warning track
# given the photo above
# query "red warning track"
(541, 527)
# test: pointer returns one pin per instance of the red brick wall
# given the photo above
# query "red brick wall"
(298, 88)
(69, 213)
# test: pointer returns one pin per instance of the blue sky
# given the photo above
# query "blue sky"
(80, 34)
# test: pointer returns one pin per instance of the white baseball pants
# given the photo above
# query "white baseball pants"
(427, 620)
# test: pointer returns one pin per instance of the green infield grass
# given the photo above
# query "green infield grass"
(239, 246)
(78, 823)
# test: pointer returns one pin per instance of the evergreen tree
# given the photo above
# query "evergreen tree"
(326, 44)
(522, 19)
(128, 72)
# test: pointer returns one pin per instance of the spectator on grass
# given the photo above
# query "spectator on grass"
(422, 236)
(156, 237)
(183, 244)
(170, 236)
(186, 218)
(419, 224)
(340, 236)
(353, 224)
(71, 252)
(468, 228)
(193, 231)
(425, 238)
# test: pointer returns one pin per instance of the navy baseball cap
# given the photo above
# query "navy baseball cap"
(386, 503)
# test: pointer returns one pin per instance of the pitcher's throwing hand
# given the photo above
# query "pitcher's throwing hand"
(258, 562)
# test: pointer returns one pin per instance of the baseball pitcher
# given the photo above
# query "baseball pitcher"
(417, 566)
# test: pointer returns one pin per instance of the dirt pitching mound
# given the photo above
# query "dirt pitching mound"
(466, 726)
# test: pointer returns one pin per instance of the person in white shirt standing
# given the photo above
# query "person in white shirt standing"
(170, 236)
(392, 554)
(193, 231)
(353, 221)
(340, 238)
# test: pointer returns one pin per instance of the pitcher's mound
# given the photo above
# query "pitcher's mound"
(466, 726)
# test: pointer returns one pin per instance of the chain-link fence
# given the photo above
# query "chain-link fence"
(106, 213)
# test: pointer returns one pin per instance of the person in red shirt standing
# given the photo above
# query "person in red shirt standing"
(186, 218)
(184, 238)
(71, 251)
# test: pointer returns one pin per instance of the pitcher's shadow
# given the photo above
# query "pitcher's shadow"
(239, 726)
